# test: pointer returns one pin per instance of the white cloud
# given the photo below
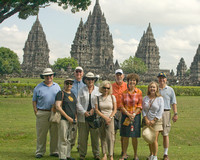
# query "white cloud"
(13, 39)
(124, 49)
(179, 43)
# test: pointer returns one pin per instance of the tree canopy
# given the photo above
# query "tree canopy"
(134, 65)
(27, 8)
(65, 63)
(9, 62)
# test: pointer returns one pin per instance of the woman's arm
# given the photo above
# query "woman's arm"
(59, 108)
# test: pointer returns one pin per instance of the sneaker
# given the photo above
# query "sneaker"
(38, 156)
(150, 157)
(165, 157)
(155, 158)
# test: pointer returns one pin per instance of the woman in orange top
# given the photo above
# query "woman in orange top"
(131, 106)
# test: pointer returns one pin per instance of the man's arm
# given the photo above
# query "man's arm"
(35, 107)
(175, 117)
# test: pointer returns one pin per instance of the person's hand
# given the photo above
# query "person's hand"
(108, 120)
(91, 112)
(70, 120)
(148, 123)
(87, 114)
(131, 117)
(175, 118)
(151, 123)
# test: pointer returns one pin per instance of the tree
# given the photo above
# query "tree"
(134, 65)
(64, 63)
(9, 62)
(27, 8)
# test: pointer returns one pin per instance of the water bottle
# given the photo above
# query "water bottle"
(132, 127)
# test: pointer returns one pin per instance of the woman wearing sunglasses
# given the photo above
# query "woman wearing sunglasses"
(106, 108)
(66, 105)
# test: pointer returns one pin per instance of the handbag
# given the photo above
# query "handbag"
(55, 114)
(149, 134)
(97, 122)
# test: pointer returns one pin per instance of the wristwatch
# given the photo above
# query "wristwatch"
(111, 117)
(176, 113)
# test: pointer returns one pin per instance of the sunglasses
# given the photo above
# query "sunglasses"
(69, 83)
(106, 88)
(78, 71)
(49, 75)
(90, 79)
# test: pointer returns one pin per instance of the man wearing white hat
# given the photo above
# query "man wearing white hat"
(43, 98)
(118, 88)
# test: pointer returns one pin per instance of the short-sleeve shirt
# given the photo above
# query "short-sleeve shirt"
(132, 101)
(68, 105)
(117, 92)
(169, 96)
(106, 104)
(44, 95)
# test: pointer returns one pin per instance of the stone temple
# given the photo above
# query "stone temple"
(93, 44)
(36, 52)
(195, 68)
(148, 51)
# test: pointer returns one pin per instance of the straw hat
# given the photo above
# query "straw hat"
(46, 72)
(149, 134)
(89, 75)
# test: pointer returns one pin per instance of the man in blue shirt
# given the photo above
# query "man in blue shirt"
(169, 97)
(43, 98)
(77, 85)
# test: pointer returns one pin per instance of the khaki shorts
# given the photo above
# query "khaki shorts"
(166, 123)
(158, 126)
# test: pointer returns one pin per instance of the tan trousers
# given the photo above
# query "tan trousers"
(65, 136)
(107, 136)
(83, 133)
(73, 140)
(42, 127)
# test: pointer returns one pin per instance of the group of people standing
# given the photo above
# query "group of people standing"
(80, 102)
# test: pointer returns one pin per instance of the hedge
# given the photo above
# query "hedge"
(26, 90)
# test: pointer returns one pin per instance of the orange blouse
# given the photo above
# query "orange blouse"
(132, 101)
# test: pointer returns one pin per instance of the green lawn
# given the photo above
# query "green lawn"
(18, 135)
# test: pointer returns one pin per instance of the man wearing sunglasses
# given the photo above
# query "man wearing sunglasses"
(43, 98)
(77, 85)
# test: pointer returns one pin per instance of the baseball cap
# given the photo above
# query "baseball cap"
(162, 74)
(119, 71)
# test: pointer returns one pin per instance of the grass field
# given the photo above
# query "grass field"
(18, 135)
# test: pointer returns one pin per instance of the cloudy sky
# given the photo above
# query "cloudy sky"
(175, 25)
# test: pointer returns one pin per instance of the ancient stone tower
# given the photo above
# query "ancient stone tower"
(148, 51)
(195, 68)
(36, 51)
(181, 69)
(93, 44)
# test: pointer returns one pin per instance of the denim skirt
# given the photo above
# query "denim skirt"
(126, 131)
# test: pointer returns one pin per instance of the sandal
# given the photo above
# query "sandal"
(124, 157)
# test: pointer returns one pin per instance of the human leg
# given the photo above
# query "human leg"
(53, 132)
(94, 135)
(42, 126)
(135, 144)
(83, 132)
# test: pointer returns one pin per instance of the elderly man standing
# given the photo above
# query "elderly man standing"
(77, 85)
(85, 108)
(169, 99)
(43, 98)
(118, 88)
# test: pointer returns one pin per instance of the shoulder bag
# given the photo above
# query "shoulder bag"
(55, 114)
